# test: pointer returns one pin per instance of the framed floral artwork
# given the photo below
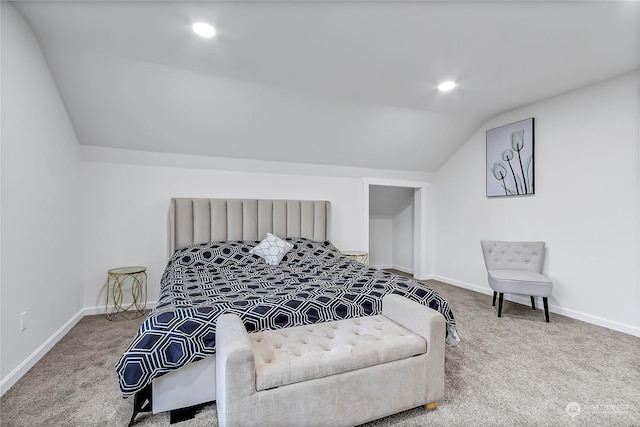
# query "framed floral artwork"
(510, 160)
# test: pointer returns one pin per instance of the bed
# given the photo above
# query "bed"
(170, 363)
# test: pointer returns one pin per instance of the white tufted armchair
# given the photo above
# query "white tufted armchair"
(516, 268)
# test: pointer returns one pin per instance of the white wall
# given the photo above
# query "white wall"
(41, 263)
(391, 238)
(380, 241)
(585, 207)
(403, 235)
(125, 204)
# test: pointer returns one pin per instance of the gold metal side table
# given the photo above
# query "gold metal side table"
(362, 257)
(118, 279)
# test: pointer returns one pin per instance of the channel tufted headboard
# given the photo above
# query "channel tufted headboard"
(206, 220)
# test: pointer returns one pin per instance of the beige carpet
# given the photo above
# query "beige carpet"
(513, 371)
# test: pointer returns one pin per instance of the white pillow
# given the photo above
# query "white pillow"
(272, 249)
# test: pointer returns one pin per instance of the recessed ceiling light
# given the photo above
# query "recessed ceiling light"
(204, 30)
(446, 86)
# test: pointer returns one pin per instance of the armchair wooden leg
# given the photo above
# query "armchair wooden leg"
(431, 405)
(500, 304)
(533, 303)
(546, 308)
(494, 298)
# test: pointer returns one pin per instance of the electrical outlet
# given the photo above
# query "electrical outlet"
(23, 321)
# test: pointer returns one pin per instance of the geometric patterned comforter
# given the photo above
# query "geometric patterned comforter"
(313, 283)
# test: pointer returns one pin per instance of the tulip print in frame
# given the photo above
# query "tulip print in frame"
(510, 160)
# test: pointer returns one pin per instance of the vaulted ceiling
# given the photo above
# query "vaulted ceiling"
(324, 82)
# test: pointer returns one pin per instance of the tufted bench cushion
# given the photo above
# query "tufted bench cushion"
(302, 353)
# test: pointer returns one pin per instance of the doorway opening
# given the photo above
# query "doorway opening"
(395, 218)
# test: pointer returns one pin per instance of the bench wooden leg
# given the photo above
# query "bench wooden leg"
(431, 405)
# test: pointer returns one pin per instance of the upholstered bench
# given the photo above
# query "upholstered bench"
(345, 372)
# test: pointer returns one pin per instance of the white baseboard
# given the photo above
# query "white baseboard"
(382, 266)
(574, 314)
(458, 283)
(7, 382)
(394, 267)
(403, 269)
(90, 311)
(13, 376)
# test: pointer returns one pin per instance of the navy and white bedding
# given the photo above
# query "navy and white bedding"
(313, 283)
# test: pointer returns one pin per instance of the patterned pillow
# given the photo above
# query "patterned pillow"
(272, 249)
(305, 249)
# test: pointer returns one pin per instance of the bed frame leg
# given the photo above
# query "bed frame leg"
(183, 414)
(142, 402)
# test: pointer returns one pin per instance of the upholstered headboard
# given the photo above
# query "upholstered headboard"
(206, 220)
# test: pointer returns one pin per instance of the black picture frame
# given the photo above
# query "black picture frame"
(510, 160)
